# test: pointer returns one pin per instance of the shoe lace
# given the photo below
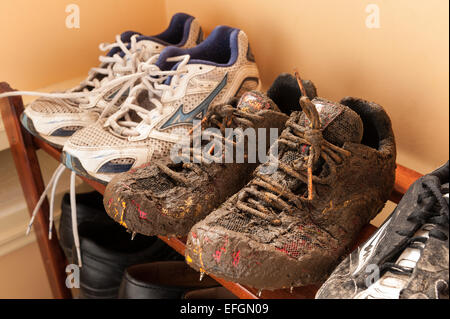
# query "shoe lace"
(51, 187)
(111, 65)
(264, 196)
(110, 69)
(220, 116)
(152, 80)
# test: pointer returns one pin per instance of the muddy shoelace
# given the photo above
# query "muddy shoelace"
(219, 116)
(432, 210)
(264, 189)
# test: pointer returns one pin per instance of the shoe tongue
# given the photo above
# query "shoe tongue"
(125, 37)
(255, 101)
(340, 124)
(168, 52)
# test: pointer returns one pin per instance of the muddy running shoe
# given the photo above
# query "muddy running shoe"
(408, 256)
(175, 89)
(164, 198)
(335, 172)
(55, 119)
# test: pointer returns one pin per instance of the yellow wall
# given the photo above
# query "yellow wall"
(403, 65)
(37, 49)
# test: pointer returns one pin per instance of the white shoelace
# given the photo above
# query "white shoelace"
(111, 68)
(136, 77)
(151, 79)
(73, 208)
(110, 64)
(114, 69)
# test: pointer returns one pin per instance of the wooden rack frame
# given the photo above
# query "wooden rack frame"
(23, 148)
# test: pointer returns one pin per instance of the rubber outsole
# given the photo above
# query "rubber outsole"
(74, 164)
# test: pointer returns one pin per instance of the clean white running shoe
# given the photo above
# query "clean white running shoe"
(55, 117)
(174, 89)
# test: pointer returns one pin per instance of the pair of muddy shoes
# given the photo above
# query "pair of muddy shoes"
(290, 219)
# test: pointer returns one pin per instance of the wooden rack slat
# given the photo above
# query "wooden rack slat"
(24, 154)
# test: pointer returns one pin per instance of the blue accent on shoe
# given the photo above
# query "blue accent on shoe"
(62, 132)
(179, 117)
(177, 33)
(27, 123)
(67, 160)
(111, 96)
(24, 121)
(74, 164)
(219, 49)
(125, 37)
(114, 168)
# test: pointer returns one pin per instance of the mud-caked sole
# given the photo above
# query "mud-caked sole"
(235, 257)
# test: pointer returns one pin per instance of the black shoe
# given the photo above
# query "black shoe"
(162, 280)
(408, 256)
(89, 209)
(107, 250)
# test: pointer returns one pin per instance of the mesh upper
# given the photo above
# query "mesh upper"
(52, 106)
(190, 101)
(97, 136)
(151, 179)
(298, 241)
(340, 124)
(193, 35)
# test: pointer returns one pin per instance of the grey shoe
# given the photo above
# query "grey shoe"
(408, 256)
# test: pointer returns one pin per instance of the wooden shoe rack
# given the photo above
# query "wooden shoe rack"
(23, 148)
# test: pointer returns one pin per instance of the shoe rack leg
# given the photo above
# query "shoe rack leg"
(27, 165)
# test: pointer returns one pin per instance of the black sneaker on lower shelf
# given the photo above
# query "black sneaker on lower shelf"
(89, 208)
(408, 257)
(106, 247)
(107, 250)
(162, 280)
